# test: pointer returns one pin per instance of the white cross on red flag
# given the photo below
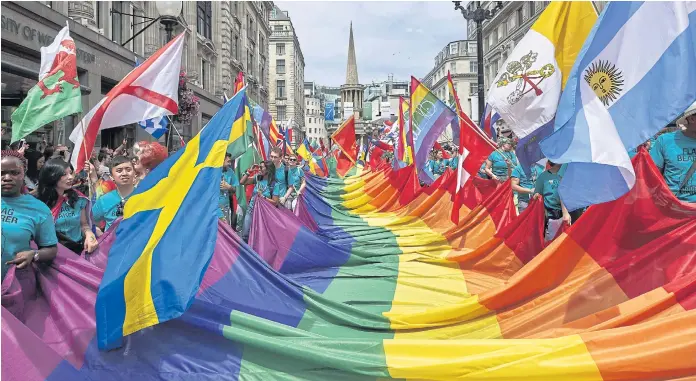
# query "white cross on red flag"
(148, 91)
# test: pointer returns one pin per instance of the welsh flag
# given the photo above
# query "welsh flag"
(56, 95)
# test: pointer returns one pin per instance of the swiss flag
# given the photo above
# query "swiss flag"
(474, 148)
(150, 90)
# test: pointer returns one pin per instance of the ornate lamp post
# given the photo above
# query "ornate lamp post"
(169, 12)
(479, 15)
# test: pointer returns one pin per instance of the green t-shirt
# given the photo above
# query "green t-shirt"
(547, 186)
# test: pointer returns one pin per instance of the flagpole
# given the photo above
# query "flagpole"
(84, 148)
(171, 122)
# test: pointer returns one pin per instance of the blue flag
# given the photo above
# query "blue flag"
(634, 75)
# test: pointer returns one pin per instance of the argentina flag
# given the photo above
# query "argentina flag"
(155, 126)
(635, 74)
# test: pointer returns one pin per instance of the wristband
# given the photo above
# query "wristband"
(36, 256)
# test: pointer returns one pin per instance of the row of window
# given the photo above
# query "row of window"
(311, 130)
(315, 120)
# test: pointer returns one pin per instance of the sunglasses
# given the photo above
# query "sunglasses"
(292, 159)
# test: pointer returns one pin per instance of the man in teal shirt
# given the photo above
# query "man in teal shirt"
(281, 174)
(438, 165)
(109, 207)
(228, 185)
(296, 184)
(675, 153)
(546, 186)
(524, 185)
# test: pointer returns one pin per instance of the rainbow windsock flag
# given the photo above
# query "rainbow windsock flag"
(369, 279)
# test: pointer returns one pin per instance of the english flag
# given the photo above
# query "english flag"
(474, 148)
(150, 90)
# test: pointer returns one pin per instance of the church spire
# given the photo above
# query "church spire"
(352, 68)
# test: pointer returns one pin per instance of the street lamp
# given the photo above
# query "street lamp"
(169, 12)
(479, 15)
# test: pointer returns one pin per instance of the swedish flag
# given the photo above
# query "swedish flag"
(166, 239)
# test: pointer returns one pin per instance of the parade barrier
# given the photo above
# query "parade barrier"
(367, 284)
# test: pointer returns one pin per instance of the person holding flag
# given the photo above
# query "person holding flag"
(228, 186)
(296, 183)
(500, 163)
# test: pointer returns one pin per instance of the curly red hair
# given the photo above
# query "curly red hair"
(152, 154)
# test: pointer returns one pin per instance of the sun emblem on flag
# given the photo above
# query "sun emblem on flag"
(526, 80)
(605, 80)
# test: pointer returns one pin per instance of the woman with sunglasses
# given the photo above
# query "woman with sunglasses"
(109, 207)
(24, 219)
(266, 187)
(296, 183)
(68, 206)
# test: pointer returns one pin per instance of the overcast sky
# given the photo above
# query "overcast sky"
(399, 37)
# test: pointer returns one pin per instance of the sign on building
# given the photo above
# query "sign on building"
(329, 112)
(347, 110)
(385, 109)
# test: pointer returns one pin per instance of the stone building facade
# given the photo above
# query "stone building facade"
(222, 39)
(315, 127)
(286, 101)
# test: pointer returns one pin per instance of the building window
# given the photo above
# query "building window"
(280, 88)
(280, 49)
(494, 37)
(473, 67)
(520, 16)
(280, 66)
(116, 22)
(204, 75)
(250, 60)
(453, 67)
(532, 9)
(494, 68)
(280, 110)
(262, 70)
(473, 88)
(250, 28)
(453, 48)
(235, 48)
(204, 14)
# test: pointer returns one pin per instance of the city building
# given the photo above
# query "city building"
(458, 58)
(222, 38)
(329, 98)
(382, 99)
(286, 103)
(315, 128)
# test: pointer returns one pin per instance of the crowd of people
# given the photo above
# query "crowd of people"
(45, 203)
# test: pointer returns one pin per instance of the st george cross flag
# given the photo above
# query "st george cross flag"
(526, 90)
(156, 126)
(148, 91)
(628, 82)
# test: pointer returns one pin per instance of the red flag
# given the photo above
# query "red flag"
(148, 91)
(474, 148)
(344, 138)
(445, 155)
(238, 83)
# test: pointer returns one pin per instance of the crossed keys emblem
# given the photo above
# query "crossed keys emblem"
(526, 80)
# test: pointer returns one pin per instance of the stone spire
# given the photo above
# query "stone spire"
(352, 68)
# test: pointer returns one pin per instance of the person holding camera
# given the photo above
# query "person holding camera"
(266, 186)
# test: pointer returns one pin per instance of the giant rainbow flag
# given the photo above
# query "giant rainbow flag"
(368, 279)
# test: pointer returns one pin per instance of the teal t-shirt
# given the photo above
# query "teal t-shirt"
(526, 182)
(547, 186)
(482, 171)
(68, 222)
(673, 154)
(500, 167)
(453, 162)
(295, 176)
(230, 178)
(106, 207)
(437, 167)
(25, 219)
(280, 180)
(266, 191)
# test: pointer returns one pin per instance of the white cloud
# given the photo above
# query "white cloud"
(382, 46)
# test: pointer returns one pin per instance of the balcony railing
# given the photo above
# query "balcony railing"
(281, 33)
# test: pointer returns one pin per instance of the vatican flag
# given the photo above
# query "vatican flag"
(528, 87)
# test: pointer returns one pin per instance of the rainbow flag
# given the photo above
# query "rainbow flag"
(371, 280)
(429, 117)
